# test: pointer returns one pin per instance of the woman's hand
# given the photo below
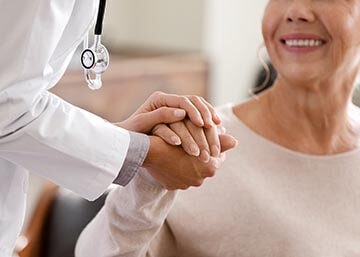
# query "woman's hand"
(200, 142)
(167, 108)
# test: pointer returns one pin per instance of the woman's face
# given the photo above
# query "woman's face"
(312, 39)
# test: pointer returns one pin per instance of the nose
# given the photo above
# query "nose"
(300, 11)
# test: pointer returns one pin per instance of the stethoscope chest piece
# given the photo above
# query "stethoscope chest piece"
(95, 59)
(88, 59)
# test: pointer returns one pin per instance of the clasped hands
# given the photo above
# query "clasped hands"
(187, 141)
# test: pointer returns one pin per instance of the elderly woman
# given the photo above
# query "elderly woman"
(292, 187)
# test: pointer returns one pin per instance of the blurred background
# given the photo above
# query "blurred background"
(202, 47)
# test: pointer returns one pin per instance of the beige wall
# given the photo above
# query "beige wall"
(232, 37)
(228, 32)
(169, 24)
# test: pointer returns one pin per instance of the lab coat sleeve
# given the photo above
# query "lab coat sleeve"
(136, 155)
(130, 219)
(38, 130)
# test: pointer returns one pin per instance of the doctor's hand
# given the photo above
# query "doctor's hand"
(168, 108)
(173, 168)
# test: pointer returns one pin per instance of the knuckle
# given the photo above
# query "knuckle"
(211, 170)
(184, 99)
(198, 183)
(170, 188)
(188, 123)
(211, 173)
(203, 145)
(163, 112)
(157, 94)
(157, 128)
(192, 97)
(195, 98)
(176, 125)
(188, 139)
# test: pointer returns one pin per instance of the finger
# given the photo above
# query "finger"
(199, 136)
(150, 119)
(221, 130)
(184, 187)
(227, 142)
(164, 132)
(161, 99)
(211, 167)
(188, 143)
(213, 140)
(216, 162)
(215, 116)
(204, 111)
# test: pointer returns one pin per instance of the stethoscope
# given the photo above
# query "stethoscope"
(95, 59)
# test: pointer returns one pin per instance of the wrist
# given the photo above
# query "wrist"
(153, 152)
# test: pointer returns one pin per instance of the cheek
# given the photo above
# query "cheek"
(342, 25)
(342, 46)
(270, 25)
(270, 22)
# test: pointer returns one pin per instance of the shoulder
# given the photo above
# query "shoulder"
(225, 111)
(242, 112)
(228, 118)
(228, 112)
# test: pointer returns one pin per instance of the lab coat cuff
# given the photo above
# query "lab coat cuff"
(136, 154)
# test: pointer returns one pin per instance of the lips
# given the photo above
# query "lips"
(302, 43)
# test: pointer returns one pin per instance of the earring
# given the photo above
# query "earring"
(252, 92)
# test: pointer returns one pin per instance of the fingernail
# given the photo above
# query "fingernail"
(195, 150)
(176, 140)
(210, 122)
(215, 150)
(179, 113)
(217, 117)
(205, 156)
(201, 122)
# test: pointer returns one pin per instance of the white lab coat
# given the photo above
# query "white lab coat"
(40, 132)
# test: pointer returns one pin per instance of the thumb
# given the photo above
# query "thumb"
(227, 142)
(165, 115)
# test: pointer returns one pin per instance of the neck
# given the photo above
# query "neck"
(314, 118)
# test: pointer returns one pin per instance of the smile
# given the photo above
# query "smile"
(303, 42)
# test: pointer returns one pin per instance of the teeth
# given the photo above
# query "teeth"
(304, 42)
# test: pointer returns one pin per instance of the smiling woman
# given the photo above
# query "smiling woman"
(292, 186)
(314, 49)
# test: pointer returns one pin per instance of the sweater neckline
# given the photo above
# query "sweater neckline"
(283, 149)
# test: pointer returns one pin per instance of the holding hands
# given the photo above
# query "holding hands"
(187, 143)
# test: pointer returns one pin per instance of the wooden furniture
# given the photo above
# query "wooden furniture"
(58, 220)
(129, 82)
(29, 244)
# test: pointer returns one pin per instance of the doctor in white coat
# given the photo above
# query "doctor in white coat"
(41, 133)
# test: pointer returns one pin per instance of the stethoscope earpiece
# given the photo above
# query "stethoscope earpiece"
(95, 59)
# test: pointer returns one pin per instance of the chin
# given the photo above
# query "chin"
(301, 75)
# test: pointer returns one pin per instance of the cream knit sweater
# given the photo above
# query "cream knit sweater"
(266, 201)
